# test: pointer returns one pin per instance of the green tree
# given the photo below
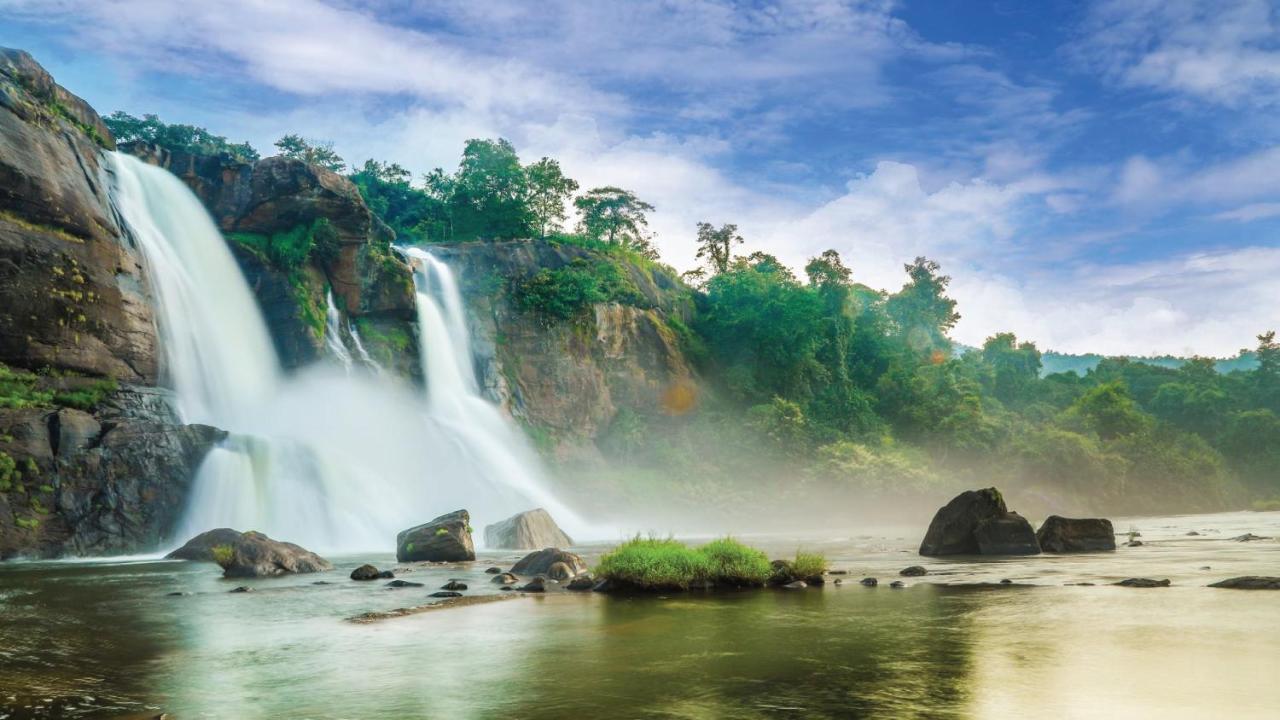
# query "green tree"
(1267, 375)
(312, 152)
(1016, 366)
(549, 190)
(715, 246)
(1107, 410)
(616, 217)
(488, 196)
(181, 138)
(922, 310)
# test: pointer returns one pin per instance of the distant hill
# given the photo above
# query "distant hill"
(1056, 362)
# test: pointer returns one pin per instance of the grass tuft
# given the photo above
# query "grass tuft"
(808, 565)
(667, 564)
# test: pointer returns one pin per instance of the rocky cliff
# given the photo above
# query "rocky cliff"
(300, 232)
(571, 382)
(92, 460)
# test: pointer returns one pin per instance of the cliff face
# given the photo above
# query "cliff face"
(570, 381)
(92, 460)
(271, 208)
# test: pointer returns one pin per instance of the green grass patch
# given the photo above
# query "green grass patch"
(222, 554)
(88, 397)
(21, 389)
(668, 564)
(28, 523)
(808, 564)
(733, 563)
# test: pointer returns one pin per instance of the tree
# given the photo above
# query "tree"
(616, 217)
(488, 196)
(1267, 375)
(716, 246)
(312, 152)
(922, 310)
(549, 190)
(413, 213)
(182, 138)
(828, 271)
(1016, 366)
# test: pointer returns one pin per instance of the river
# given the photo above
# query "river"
(105, 639)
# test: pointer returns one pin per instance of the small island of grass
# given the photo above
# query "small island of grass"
(654, 564)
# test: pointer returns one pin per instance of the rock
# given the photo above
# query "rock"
(444, 539)
(837, 572)
(1064, 535)
(582, 582)
(795, 585)
(897, 584)
(837, 581)
(1080, 584)
(782, 572)
(493, 570)
(913, 571)
(815, 580)
(1006, 581)
(403, 584)
(505, 579)
(603, 586)
(506, 588)
(454, 585)
(1143, 583)
(445, 594)
(869, 581)
(369, 572)
(241, 589)
(321, 582)
(1249, 582)
(1134, 543)
(1193, 533)
(1205, 567)
(976, 522)
(72, 431)
(1248, 537)
(528, 530)
(200, 547)
(177, 593)
(535, 585)
(256, 555)
(560, 572)
(540, 562)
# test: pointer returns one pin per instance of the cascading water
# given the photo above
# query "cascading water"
(326, 458)
(333, 333)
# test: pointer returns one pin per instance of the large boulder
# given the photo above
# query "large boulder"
(445, 539)
(1249, 582)
(540, 562)
(200, 547)
(977, 522)
(528, 530)
(256, 555)
(1063, 535)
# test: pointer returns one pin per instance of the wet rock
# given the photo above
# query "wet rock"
(445, 594)
(781, 573)
(540, 562)
(256, 555)
(454, 585)
(493, 570)
(322, 582)
(1080, 584)
(403, 584)
(582, 582)
(528, 530)
(1143, 583)
(1134, 543)
(369, 572)
(837, 572)
(837, 581)
(560, 572)
(506, 588)
(241, 589)
(444, 539)
(1205, 567)
(977, 522)
(1248, 537)
(1006, 581)
(1065, 535)
(73, 431)
(795, 585)
(913, 571)
(816, 580)
(1249, 582)
(535, 585)
(897, 584)
(603, 586)
(200, 547)
(177, 593)
(1193, 533)
(869, 581)
(505, 579)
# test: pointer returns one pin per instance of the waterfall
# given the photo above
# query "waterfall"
(333, 332)
(329, 459)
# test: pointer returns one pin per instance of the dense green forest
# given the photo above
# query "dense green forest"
(834, 385)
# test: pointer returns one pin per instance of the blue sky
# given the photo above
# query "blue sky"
(1095, 176)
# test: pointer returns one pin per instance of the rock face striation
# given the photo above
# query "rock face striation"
(1065, 535)
(92, 459)
(444, 539)
(256, 555)
(976, 522)
(528, 530)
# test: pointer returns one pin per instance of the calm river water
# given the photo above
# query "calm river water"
(104, 639)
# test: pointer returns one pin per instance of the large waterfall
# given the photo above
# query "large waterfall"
(330, 458)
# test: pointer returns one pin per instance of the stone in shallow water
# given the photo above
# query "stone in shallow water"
(536, 585)
(454, 585)
(505, 579)
(403, 584)
(1249, 582)
(241, 589)
(528, 530)
(1249, 537)
(493, 570)
(869, 581)
(200, 547)
(256, 555)
(1143, 583)
(797, 585)
(896, 584)
(444, 539)
(913, 571)
(445, 594)
(1065, 535)
(977, 522)
(540, 562)
(582, 582)
(369, 572)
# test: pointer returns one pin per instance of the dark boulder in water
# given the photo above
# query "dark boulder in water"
(454, 585)
(977, 522)
(241, 589)
(444, 539)
(445, 594)
(200, 547)
(913, 571)
(1143, 583)
(582, 582)
(403, 584)
(369, 572)
(1134, 543)
(897, 584)
(540, 562)
(256, 555)
(1248, 537)
(869, 581)
(560, 572)
(535, 585)
(493, 570)
(1065, 535)
(526, 531)
(505, 579)
(1249, 582)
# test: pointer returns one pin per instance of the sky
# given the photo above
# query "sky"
(1094, 176)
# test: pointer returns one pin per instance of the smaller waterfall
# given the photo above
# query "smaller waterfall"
(333, 332)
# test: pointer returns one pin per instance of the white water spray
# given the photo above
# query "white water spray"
(325, 458)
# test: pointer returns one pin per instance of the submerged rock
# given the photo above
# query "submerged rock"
(369, 572)
(444, 539)
(493, 570)
(897, 584)
(1064, 535)
(200, 548)
(1143, 583)
(528, 530)
(1248, 537)
(1249, 582)
(540, 562)
(445, 594)
(977, 522)
(454, 585)
(241, 589)
(582, 582)
(869, 581)
(536, 585)
(505, 579)
(1134, 543)
(256, 555)
(795, 585)
(403, 584)
(913, 571)
(560, 572)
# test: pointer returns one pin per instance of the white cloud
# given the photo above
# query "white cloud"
(1249, 213)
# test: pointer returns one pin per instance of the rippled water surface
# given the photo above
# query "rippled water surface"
(104, 639)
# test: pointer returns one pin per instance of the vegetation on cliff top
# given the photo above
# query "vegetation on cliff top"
(175, 137)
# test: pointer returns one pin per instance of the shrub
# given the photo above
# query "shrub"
(733, 563)
(222, 554)
(653, 564)
(568, 292)
(807, 565)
